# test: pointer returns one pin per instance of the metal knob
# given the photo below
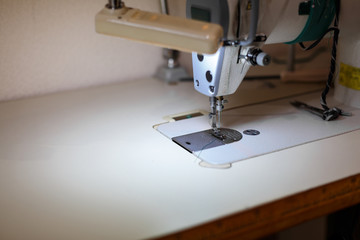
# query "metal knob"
(257, 57)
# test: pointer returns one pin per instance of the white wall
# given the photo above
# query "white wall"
(51, 45)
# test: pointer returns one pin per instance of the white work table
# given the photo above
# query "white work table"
(88, 164)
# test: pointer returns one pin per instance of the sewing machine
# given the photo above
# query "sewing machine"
(225, 38)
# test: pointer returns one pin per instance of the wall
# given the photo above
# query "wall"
(51, 45)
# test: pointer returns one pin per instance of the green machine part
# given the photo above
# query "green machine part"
(321, 14)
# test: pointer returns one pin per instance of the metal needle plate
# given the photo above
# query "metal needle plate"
(207, 139)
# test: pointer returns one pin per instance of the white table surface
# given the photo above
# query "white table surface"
(88, 164)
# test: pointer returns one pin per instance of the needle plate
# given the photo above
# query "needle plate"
(207, 139)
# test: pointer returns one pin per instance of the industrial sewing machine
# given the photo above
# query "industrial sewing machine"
(226, 36)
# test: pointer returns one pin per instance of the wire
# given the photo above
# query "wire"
(333, 58)
(330, 79)
(205, 146)
(314, 44)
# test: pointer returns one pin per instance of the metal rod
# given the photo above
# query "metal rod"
(114, 4)
(216, 107)
(212, 115)
(253, 23)
(170, 55)
(219, 108)
(291, 58)
(164, 7)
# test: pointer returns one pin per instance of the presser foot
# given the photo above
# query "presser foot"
(216, 107)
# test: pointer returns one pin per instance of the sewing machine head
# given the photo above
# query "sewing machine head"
(220, 74)
(227, 39)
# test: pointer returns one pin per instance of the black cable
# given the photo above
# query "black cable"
(333, 58)
(238, 20)
(330, 80)
(314, 44)
(332, 113)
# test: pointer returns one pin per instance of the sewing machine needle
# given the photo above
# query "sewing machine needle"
(216, 107)
(213, 114)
